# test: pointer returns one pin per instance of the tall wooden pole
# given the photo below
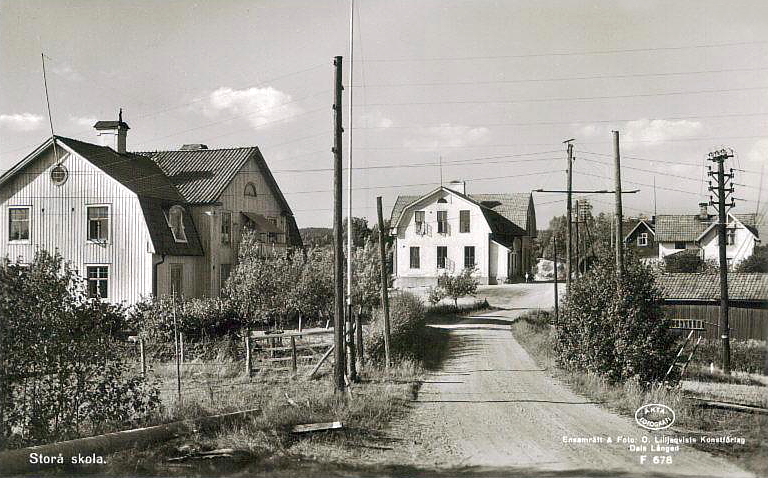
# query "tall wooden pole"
(384, 281)
(350, 245)
(569, 219)
(339, 368)
(554, 258)
(619, 241)
(576, 240)
(719, 157)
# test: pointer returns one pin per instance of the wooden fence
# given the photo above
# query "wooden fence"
(746, 322)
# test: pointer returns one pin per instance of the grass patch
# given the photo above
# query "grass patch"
(538, 338)
(452, 309)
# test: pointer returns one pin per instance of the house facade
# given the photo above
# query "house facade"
(141, 224)
(447, 230)
(678, 233)
(641, 239)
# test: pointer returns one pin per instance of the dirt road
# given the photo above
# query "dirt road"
(492, 408)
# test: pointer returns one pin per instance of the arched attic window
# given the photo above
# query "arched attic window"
(442, 201)
(176, 223)
(250, 190)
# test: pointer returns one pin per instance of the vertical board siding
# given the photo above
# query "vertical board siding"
(59, 223)
(745, 322)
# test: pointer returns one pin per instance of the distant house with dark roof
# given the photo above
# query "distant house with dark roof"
(142, 224)
(448, 230)
(698, 232)
(642, 239)
(692, 302)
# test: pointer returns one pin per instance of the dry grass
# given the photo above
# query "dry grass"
(625, 398)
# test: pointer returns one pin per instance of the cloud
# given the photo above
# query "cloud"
(83, 120)
(21, 121)
(447, 136)
(258, 106)
(645, 131)
(759, 151)
(67, 72)
(375, 120)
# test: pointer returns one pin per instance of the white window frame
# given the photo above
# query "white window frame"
(183, 238)
(443, 223)
(88, 224)
(107, 279)
(410, 257)
(468, 213)
(28, 240)
(642, 239)
(445, 258)
(228, 241)
(730, 236)
(420, 225)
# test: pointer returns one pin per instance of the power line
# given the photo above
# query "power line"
(567, 78)
(676, 163)
(572, 53)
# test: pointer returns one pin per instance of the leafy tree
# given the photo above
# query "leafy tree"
(314, 291)
(317, 236)
(66, 374)
(263, 285)
(757, 262)
(459, 285)
(360, 231)
(616, 329)
(688, 261)
(366, 283)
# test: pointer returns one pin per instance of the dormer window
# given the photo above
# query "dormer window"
(176, 223)
(250, 190)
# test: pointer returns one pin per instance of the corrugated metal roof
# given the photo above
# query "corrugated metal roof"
(201, 175)
(705, 286)
(505, 213)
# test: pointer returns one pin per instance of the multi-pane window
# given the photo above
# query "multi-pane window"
(98, 281)
(176, 222)
(418, 219)
(442, 255)
(177, 279)
(730, 237)
(464, 221)
(18, 223)
(469, 257)
(415, 258)
(98, 223)
(642, 239)
(442, 222)
(679, 245)
(226, 228)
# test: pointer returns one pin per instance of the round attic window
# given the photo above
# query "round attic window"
(59, 174)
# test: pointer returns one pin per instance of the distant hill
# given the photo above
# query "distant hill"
(317, 236)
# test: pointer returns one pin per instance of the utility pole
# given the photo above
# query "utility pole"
(719, 158)
(351, 322)
(569, 218)
(384, 281)
(554, 258)
(339, 368)
(578, 247)
(617, 187)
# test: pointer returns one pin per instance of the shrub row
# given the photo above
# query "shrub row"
(407, 319)
(746, 356)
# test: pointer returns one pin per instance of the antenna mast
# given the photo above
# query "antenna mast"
(48, 104)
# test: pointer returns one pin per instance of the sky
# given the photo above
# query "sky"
(487, 89)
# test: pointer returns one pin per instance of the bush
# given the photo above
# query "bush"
(617, 330)
(406, 321)
(459, 285)
(757, 262)
(67, 376)
(746, 355)
(197, 319)
(688, 261)
(435, 295)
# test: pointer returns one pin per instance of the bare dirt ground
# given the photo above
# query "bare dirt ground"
(490, 410)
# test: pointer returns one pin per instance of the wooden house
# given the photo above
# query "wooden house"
(138, 224)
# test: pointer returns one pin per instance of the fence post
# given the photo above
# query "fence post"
(181, 348)
(248, 352)
(143, 357)
(293, 353)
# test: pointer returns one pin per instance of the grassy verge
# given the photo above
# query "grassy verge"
(538, 338)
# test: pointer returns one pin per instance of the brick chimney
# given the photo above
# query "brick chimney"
(112, 133)
(703, 213)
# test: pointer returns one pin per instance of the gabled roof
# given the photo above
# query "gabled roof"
(201, 175)
(680, 227)
(706, 286)
(138, 173)
(745, 220)
(505, 213)
(641, 222)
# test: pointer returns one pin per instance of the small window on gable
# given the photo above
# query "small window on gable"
(642, 239)
(176, 223)
(442, 201)
(250, 190)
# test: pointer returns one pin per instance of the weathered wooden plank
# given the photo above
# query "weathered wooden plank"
(316, 427)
